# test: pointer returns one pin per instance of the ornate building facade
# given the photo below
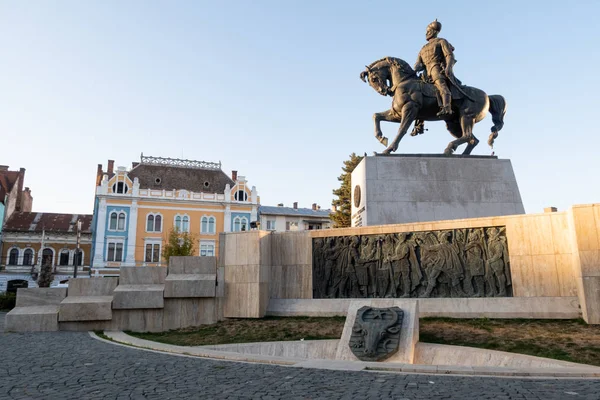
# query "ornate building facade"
(135, 209)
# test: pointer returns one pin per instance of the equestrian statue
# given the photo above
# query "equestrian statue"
(435, 95)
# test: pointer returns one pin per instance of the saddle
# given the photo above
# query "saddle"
(429, 90)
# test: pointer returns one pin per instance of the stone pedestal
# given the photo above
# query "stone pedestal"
(404, 188)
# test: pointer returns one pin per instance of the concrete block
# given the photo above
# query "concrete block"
(409, 335)
(138, 320)
(414, 188)
(27, 297)
(32, 319)
(189, 312)
(188, 285)
(138, 296)
(192, 265)
(142, 275)
(92, 286)
(85, 308)
(590, 294)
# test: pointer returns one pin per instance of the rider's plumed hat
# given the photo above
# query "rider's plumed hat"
(435, 25)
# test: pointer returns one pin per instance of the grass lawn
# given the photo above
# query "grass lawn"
(569, 340)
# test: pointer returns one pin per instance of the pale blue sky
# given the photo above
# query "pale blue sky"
(272, 89)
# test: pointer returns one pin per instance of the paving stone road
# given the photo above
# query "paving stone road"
(68, 365)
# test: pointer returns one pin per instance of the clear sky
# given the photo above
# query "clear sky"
(271, 89)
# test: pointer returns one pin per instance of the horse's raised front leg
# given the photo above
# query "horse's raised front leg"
(409, 114)
(383, 116)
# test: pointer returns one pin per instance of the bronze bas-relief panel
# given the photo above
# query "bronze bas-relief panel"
(470, 262)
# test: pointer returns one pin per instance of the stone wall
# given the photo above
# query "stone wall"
(552, 255)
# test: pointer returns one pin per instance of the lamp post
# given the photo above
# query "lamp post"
(76, 259)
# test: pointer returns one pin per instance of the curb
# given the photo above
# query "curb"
(122, 339)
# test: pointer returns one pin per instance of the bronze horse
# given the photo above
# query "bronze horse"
(415, 99)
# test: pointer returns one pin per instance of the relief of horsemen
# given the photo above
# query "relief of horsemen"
(450, 263)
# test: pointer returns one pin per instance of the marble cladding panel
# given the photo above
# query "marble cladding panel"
(192, 265)
(27, 297)
(142, 275)
(92, 286)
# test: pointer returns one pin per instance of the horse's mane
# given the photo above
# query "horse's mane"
(405, 67)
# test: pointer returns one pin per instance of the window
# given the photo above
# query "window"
(207, 248)
(47, 257)
(120, 187)
(291, 226)
(13, 257)
(241, 195)
(208, 225)
(153, 252)
(150, 223)
(28, 257)
(117, 221)
(270, 224)
(78, 258)
(182, 223)
(113, 221)
(115, 251)
(153, 223)
(240, 224)
(64, 257)
(121, 225)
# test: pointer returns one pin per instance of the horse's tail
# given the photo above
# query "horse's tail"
(497, 109)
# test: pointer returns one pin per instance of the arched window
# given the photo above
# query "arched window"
(13, 257)
(150, 223)
(240, 224)
(121, 225)
(78, 258)
(185, 225)
(28, 257)
(113, 221)
(208, 225)
(153, 223)
(120, 187)
(241, 195)
(47, 257)
(178, 223)
(64, 257)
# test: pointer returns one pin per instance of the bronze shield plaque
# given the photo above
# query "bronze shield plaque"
(376, 333)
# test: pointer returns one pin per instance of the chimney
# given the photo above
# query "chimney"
(99, 174)
(550, 209)
(314, 206)
(234, 176)
(19, 203)
(134, 164)
(280, 205)
(111, 166)
(295, 205)
(3, 167)
(318, 207)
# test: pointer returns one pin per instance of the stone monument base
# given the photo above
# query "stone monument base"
(404, 188)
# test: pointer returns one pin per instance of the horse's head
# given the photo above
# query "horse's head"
(378, 76)
(382, 73)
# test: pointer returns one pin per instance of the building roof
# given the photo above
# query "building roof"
(171, 173)
(289, 211)
(169, 178)
(51, 222)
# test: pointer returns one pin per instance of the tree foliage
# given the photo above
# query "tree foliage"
(45, 278)
(341, 216)
(178, 244)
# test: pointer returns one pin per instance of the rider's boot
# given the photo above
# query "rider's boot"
(446, 107)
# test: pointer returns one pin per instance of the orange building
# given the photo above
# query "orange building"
(135, 209)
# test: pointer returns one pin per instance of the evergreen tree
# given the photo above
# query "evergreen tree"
(45, 278)
(341, 216)
(178, 244)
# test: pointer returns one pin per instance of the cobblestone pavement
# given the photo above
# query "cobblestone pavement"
(66, 365)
